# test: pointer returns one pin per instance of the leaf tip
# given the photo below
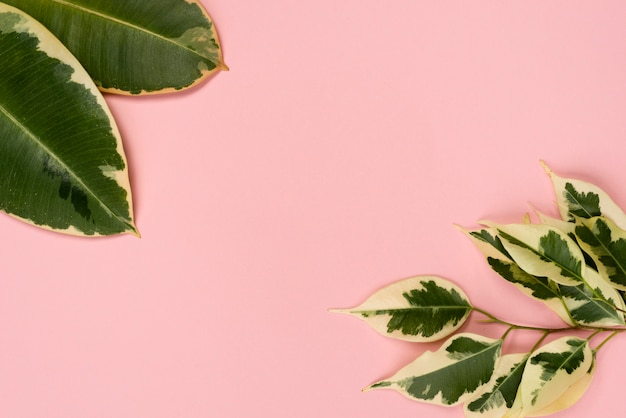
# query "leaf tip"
(545, 167)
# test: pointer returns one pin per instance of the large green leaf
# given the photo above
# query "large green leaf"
(453, 374)
(134, 46)
(421, 308)
(551, 371)
(62, 165)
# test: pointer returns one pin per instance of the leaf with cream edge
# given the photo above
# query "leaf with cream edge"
(595, 303)
(577, 198)
(420, 309)
(62, 164)
(453, 374)
(551, 371)
(570, 396)
(498, 397)
(540, 288)
(605, 242)
(134, 46)
(544, 251)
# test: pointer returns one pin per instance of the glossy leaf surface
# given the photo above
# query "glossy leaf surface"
(134, 46)
(451, 375)
(422, 308)
(62, 165)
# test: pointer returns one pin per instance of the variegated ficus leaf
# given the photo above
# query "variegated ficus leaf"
(605, 242)
(576, 266)
(552, 371)
(497, 398)
(540, 288)
(62, 165)
(422, 308)
(462, 366)
(134, 46)
(545, 251)
(577, 198)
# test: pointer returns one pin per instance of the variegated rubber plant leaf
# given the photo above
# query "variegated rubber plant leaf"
(453, 374)
(134, 46)
(551, 372)
(421, 309)
(62, 165)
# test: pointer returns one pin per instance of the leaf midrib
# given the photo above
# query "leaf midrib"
(56, 158)
(127, 24)
(515, 241)
(621, 267)
(560, 368)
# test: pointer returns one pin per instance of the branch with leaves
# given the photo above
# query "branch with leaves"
(575, 265)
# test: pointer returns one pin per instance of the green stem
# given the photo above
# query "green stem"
(493, 318)
(606, 340)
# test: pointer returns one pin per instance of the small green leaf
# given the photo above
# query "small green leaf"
(581, 199)
(605, 242)
(595, 303)
(62, 164)
(552, 370)
(499, 259)
(134, 46)
(543, 251)
(422, 308)
(498, 397)
(570, 396)
(451, 375)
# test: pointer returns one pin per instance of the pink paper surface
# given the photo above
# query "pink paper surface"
(332, 159)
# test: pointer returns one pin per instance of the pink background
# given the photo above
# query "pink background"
(331, 160)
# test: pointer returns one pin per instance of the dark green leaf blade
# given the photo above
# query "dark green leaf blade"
(500, 394)
(451, 375)
(134, 46)
(421, 308)
(581, 199)
(605, 242)
(552, 370)
(62, 164)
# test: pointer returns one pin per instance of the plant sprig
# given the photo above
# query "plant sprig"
(575, 265)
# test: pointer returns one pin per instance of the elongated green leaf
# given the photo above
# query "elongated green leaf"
(571, 395)
(605, 242)
(595, 303)
(62, 165)
(422, 308)
(498, 397)
(451, 375)
(577, 198)
(552, 370)
(134, 46)
(542, 250)
(539, 288)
